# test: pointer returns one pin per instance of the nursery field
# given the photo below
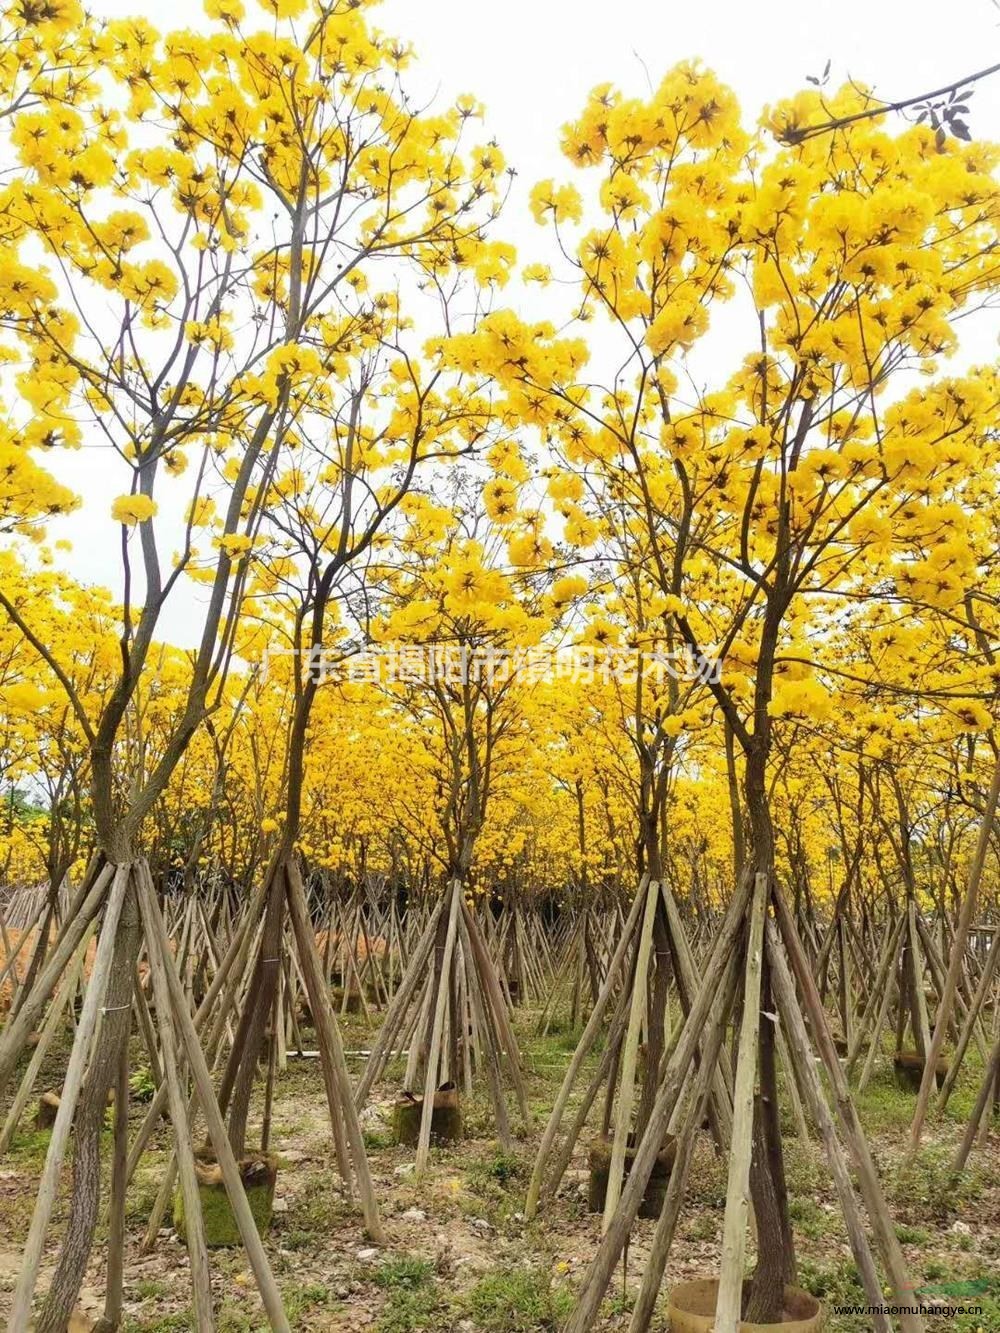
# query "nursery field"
(459, 1254)
(499, 667)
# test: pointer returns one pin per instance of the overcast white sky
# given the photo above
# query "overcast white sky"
(532, 63)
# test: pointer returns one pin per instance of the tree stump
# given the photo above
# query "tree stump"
(48, 1106)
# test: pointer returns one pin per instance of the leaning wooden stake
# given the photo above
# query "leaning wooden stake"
(17, 1032)
(734, 1231)
(687, 1037)
(20, 1310)
(201, 1280)
(156, 937)
(854, 1136)
(691, 1115)
(583, 1048)
(433, 1058)
(982, 990)
(49, 1029)
(338, 1078)
(623, 1122)
(812, 1087)
(956, 963)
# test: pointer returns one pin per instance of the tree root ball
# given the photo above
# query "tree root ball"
(909, 1070)
(48, 1106)
(350, 1005)
(656, 1186)
(692, 1309)
(446, 1117)
(258, 1174)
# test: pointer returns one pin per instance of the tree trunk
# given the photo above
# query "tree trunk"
(110, 1044)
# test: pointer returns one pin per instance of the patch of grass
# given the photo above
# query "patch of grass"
(233, 1320)
(808, 1217)
(522, 1300)
(315, 1214)
(414, 1301)
(702, 1227)
(502, 1168)
(930, 1184)
(167, 1323)
(908, 1235)
(141, 1084)
(406, 1272)
(376, 1139)
(300, 1300)
(28, 1148)
(884, 1103)
(148, 1289)
(839, 1285)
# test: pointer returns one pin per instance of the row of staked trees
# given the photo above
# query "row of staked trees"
(676, 595)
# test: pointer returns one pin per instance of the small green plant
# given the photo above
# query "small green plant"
(407, 1309)
(148, 1289)
(931, 1184)
(141, 1084)
(908, 1235)
(520, 1301)
(179, 1322)
(405, 1273)
(808, 1217)
(500, 1169)
(298, 1301)
(376, 1139)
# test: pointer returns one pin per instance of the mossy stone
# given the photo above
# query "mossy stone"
(258, 1175)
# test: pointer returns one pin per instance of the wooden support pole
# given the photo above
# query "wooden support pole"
(801, 1052)
(156, 937)
(48, 1186)
(623, 1120)
(956, 962)
(583, 1048)
(431, 1079)
(194, 1225)
(854, 1137)
(734, 1230)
